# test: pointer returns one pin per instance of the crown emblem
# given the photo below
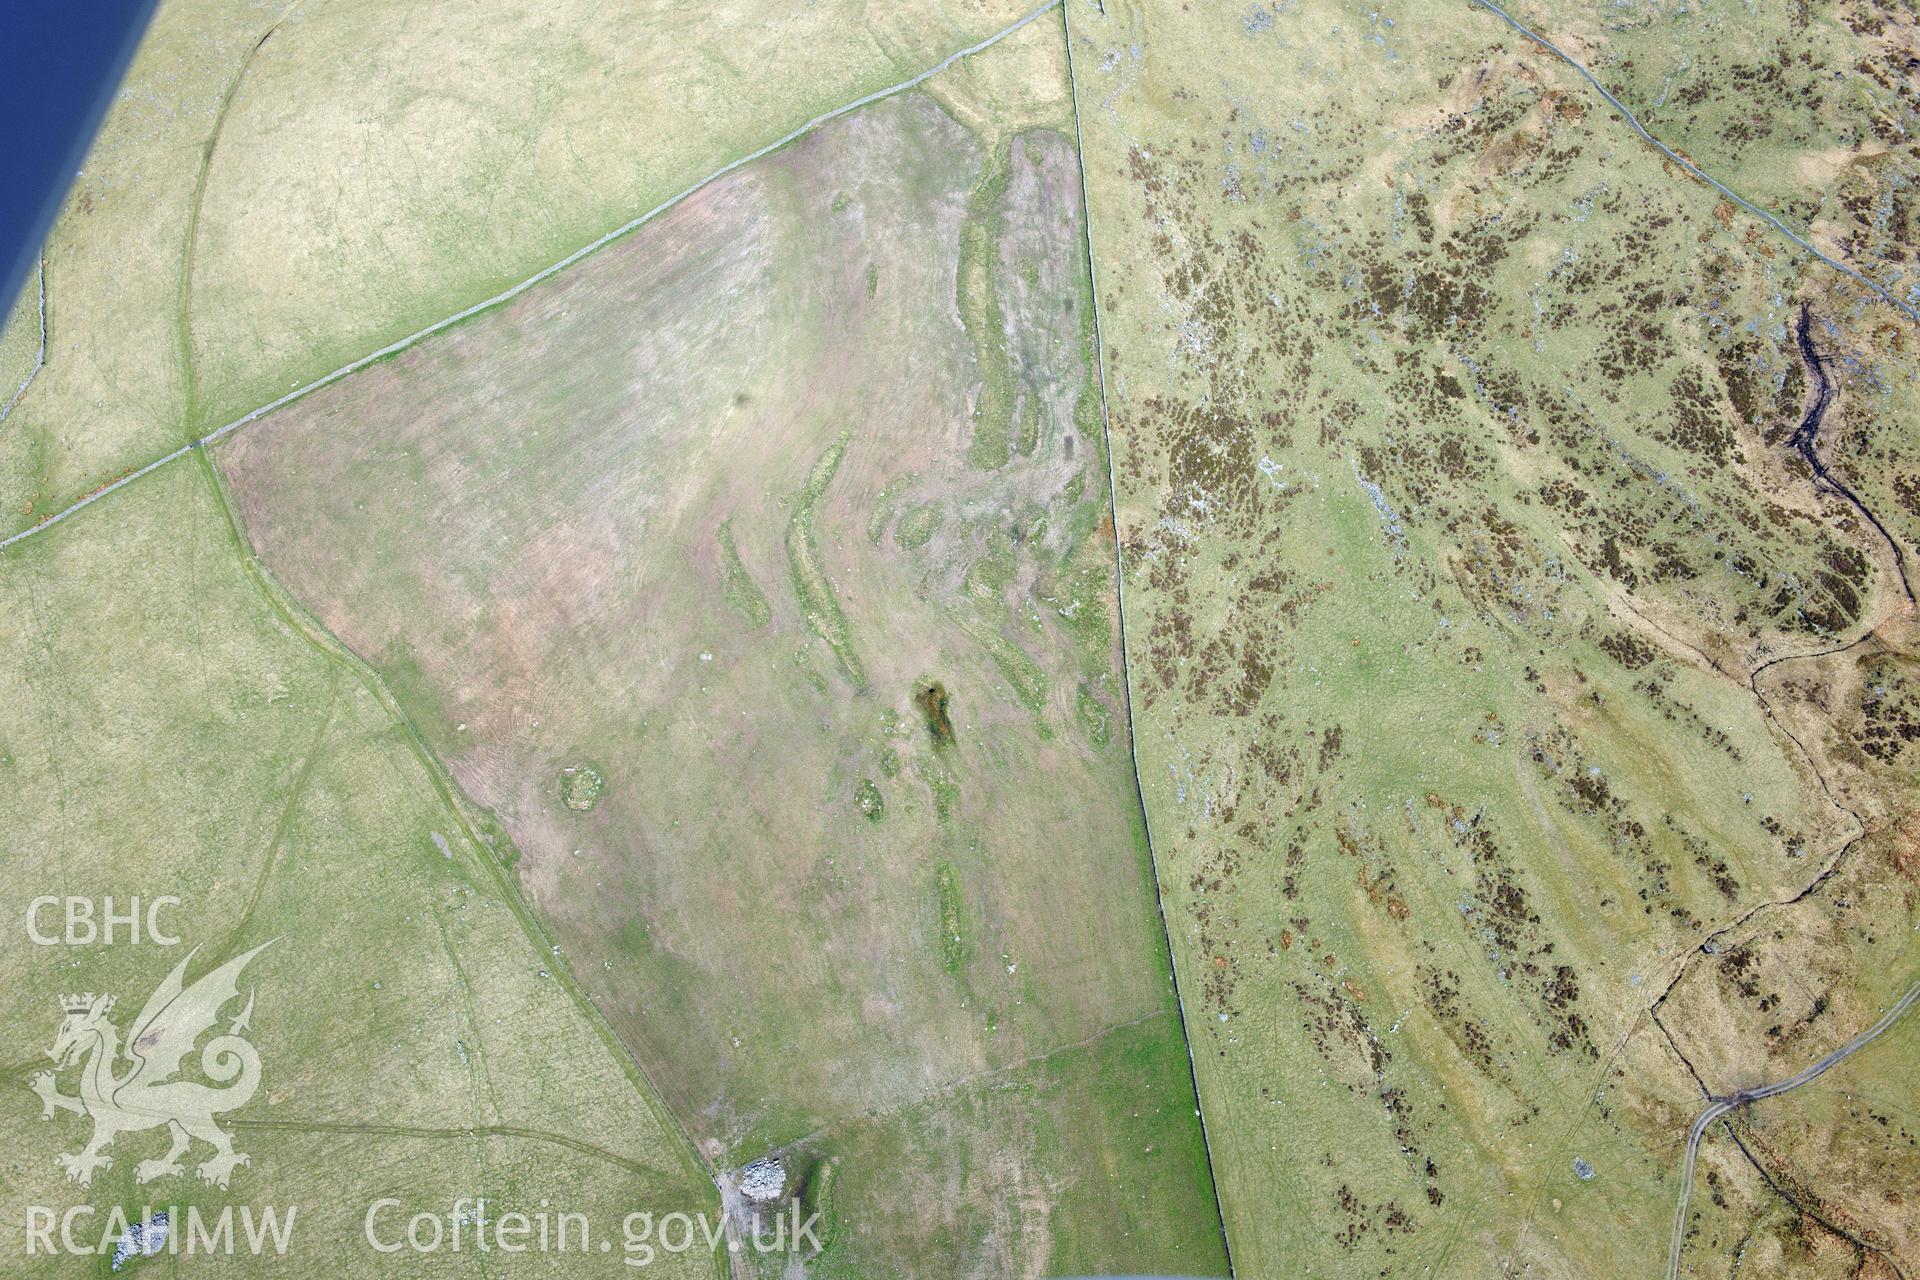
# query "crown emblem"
(82, 1003)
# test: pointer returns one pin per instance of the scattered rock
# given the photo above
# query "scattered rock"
(764, 1181)
(143, 1240)
(580, 786)
(871, 802)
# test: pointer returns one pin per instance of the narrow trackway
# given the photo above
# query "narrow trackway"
(40, 359)
(1720, 1106)
(1632, 120)
(459, 1131)
(1806, 436)
(333, 650)
(508, 294)
(190, 242)
(1126, 668)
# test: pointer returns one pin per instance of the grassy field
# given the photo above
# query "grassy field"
(1451, 430)
(20, 340)
(1844, 1147)
(172, 725)
(111, 396)
(316, 182)
(785, 517)
(678, 717)
(1805, 109)
(1799, 977)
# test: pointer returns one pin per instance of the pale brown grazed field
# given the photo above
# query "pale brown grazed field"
(787, 966)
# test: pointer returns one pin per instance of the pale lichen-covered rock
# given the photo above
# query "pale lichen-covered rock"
(764, 1180)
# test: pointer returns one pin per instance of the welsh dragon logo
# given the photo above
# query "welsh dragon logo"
(143, 1094)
